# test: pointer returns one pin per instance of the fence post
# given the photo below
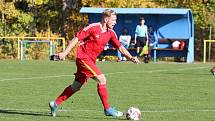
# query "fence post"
(18, 48)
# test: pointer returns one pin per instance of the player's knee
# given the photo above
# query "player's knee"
(76, 86)
(101, 79)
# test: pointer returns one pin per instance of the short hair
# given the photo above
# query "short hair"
(108, 13)
(142, 18)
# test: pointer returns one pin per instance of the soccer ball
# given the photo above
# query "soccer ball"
(133, 113)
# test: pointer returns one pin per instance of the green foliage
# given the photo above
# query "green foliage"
(36, 51)
(8, 49)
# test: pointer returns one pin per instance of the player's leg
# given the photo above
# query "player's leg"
(68, 92)
(142, 43)
(145, 56)
(89, 68)
(103, 94)
(80, 79)
(102, 90)
(138, 45)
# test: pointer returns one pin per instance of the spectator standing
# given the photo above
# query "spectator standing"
(141, 35)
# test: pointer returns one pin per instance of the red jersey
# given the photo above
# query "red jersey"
(93, 40)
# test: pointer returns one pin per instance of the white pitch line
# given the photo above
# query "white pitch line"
(29, 78)
(182, 69)
(175, 111)
(42, 77)
(143, 111)
(147, 111)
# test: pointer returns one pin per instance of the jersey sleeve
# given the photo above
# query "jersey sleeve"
(114, 40)
(136, 30)
(84, 33)
(146, 30)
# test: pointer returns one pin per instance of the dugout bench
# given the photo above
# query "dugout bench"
(167, 23)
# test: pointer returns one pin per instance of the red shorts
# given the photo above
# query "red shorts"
(86, 68)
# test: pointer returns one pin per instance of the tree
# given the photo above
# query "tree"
(14, 21)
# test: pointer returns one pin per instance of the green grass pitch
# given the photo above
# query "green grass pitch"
(162, 91)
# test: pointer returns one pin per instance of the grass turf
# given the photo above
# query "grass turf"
(162, 91)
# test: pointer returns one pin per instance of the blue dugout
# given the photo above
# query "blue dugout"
(169, 25)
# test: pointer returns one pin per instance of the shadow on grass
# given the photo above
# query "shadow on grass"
(34, 113)
(31, 113)
(8, 111)
(97, 118)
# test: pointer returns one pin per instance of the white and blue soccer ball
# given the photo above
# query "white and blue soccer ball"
(133, 113)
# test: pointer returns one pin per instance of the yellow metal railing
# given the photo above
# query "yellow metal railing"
(205, 44)
(34, 38)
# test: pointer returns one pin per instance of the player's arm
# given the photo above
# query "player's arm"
(81, 35)
(125, 52)
(71, 45)
(115, 43)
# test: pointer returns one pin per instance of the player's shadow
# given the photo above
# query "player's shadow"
(7, 111)
(32, 113)
(99, 118)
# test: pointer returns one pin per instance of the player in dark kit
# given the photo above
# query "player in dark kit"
(92, 40)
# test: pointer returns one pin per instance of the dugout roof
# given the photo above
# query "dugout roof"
(137, 10)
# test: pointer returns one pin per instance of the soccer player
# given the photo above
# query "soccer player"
(92, 40)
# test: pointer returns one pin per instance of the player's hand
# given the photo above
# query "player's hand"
(135, 60)
(61, 56)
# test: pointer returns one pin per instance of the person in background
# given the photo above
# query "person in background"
(124, 39)
(151, 41)
(141, 35)
(91, 41)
